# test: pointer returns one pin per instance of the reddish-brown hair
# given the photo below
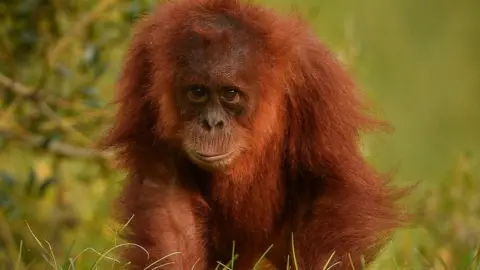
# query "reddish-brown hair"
(303, 173)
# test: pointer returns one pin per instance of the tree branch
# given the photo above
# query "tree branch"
(39, 141)
(60, 148)
(29, 93)
(16, 87)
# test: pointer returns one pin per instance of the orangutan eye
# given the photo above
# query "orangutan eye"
(197, 93)
(230, 95)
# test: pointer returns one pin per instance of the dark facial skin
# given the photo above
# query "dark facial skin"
(216, 90)
(210, 114)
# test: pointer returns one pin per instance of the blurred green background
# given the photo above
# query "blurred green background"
(417, 61)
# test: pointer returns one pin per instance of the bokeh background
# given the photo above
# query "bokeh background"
(418, 61)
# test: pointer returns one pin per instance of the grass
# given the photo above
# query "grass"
(417, 61)
(447, 218)
(49, 258)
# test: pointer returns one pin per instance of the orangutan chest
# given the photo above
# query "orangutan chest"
(246, 232)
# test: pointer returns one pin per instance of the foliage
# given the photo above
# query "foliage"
(59, 61)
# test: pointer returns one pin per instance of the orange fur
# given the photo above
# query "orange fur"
(302, 171)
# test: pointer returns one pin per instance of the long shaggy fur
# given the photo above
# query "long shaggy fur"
(303, 175)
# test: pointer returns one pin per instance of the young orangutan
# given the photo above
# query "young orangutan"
(237, 126)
